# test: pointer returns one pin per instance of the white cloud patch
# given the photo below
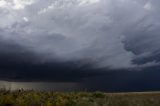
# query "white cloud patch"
(25, 19)
(15, 4)
(3, 3)
(148, 6)
(84, 2)
(101, 32)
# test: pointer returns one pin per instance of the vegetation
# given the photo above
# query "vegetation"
(43, 98)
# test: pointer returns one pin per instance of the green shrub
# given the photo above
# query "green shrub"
(98, 95)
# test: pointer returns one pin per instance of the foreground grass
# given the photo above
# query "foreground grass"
(42, 98)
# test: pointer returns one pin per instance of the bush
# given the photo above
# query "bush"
(98, 95)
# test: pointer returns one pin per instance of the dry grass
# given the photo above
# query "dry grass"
(42, 98)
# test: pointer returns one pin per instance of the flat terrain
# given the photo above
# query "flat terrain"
(43, 98)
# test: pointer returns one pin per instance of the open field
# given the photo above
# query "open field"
(43, 98)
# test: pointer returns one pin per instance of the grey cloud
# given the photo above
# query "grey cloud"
(112, 34)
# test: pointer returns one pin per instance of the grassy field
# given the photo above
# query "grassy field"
(42, 98)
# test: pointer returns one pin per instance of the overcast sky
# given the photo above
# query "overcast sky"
(78, 38)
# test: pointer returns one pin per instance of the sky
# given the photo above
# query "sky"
(84, 41)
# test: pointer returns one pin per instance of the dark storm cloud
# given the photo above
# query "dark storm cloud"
(77, 37)
(125, 81)
(21, 65)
